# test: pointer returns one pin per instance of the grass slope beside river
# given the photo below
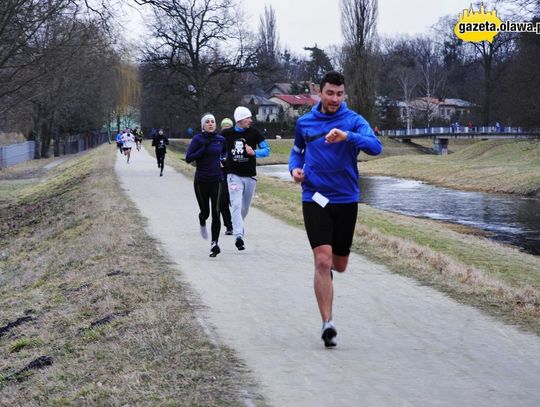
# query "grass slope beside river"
(91, 312)
(505, 166)
(496, 278)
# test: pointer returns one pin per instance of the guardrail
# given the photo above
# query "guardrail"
(448, 130)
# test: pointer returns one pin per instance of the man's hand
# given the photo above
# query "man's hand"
(335, 136)
(298, 175)
(249, 150)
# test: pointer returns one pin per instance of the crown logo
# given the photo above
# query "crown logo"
(477, 26)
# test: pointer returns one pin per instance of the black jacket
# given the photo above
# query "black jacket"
(160, 142)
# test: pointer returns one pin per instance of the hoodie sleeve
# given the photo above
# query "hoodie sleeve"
(364, 138)
(297, 159)
(263, 150)
(195, 150)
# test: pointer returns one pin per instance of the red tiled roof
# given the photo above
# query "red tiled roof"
(297, 100)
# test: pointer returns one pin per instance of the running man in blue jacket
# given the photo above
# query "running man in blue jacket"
(327, 142)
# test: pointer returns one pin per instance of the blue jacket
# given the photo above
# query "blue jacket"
(331, 168)
(207, 149)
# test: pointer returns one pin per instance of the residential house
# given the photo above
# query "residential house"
(266, 110)
(450, 109)
(305, 87)
(295, 105)
(279, 89)
(445, 110)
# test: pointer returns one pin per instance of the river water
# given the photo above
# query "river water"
(509, 219)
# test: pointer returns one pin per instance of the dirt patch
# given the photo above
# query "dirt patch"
(10, 325)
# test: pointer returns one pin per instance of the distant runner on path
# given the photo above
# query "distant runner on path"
(327, 142)
(160, 142)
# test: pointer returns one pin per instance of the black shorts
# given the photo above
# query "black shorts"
(334, 225)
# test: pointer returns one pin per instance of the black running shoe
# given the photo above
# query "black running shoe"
(328, 334)
(239, 243)
(229, 231)
(214, 249)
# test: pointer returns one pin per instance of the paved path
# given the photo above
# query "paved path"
(399, 343)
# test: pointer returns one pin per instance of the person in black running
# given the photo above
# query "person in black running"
(160, 142)
(327, 142)
(207, 149)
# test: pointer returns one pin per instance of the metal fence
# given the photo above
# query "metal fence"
(453, 129)
(17, 153)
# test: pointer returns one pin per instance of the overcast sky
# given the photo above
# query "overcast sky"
(303, 23)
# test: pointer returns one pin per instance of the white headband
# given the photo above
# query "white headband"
(205, 118)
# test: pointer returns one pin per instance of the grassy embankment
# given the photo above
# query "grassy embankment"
(92, 313)
(505, 166)
(496, 278)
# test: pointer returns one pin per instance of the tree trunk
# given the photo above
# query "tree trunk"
(45, 137)
(486, 111)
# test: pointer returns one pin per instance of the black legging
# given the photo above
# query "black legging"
(160, 155)
(205, 192)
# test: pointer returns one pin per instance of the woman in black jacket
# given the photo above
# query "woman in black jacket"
(207, 149)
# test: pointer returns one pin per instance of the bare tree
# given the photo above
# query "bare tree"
(198, 41)
(400, 64)
(268, 45)
(432, 79)
(358, 24)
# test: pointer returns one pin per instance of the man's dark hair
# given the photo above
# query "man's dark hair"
(333, 77)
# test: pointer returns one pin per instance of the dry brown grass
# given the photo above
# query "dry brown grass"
(101, 302)
(517, 301)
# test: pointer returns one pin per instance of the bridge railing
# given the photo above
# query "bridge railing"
(453, 129)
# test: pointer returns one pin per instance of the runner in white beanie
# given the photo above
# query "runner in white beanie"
(244, 145)
(241, 113)
(207, 116)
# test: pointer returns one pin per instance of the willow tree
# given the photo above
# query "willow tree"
(358, 24)
(127, 90)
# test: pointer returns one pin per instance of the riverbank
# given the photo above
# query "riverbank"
(496, 278)
(75, 326)
(501, 166)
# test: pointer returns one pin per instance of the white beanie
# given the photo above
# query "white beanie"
(206, 117)
(240, 113)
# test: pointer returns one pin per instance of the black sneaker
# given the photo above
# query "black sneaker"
(328, 334)
(229, 231)
(214, 249)
(239, 243)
